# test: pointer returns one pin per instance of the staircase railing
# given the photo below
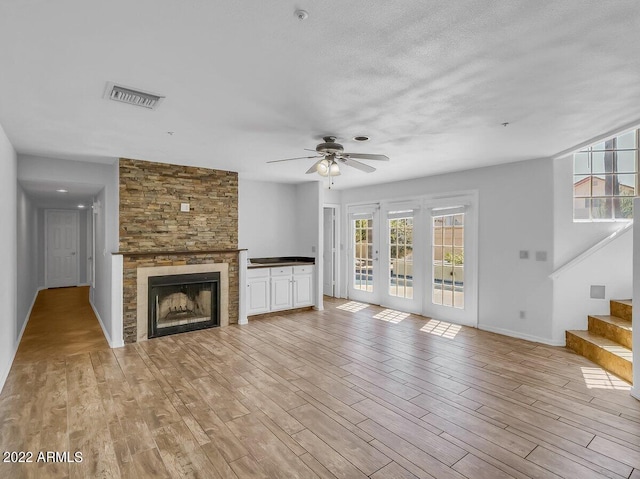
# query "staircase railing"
(591, 250)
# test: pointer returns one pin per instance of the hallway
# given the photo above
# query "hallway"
(62, 323)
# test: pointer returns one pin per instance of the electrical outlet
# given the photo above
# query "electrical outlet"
(524, 254)
(523, 314)
(184, 207)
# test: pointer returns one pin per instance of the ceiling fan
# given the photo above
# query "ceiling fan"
(331, 155)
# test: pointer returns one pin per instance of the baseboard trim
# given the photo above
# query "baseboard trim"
(104, 330)
(635, 394)
(515, 334)
(16, 344)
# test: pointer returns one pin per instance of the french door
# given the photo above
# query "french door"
(418, 256)
(402, 260)
(452, 273)
(364, 255)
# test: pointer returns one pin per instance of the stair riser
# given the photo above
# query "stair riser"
(620, 310)
(612, 363)
(610, 331)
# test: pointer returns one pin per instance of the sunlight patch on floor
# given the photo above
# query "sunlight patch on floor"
(391, 316)
(441, 328)
(352, 306)
(597, 378)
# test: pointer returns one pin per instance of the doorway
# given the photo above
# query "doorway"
(330, 254)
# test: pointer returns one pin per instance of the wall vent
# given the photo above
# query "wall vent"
(132, 97)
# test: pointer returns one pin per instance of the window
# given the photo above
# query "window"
(448, 260)
(401, 254)
(363, 253)
(605, 179)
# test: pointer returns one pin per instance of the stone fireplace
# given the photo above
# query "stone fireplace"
(176, 220)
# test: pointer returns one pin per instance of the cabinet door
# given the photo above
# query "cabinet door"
(302, 290)
(258, 295)
(281, 293)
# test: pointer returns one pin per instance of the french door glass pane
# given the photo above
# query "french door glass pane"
(363, 254)
(401, 257)
(448, 261)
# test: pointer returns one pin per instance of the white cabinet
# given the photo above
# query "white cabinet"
(302, 286)
(281, 294)
(258, 291)
(279, 288)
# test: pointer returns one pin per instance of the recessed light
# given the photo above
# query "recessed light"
(81, 206)
(62, 190)
(361, 138)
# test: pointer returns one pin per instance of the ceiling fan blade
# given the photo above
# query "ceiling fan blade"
(297, 158)
(365, 156)
(314, 168)
(358, 165)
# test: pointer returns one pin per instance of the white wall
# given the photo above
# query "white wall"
(332, 196)
(515, 213)
(8, 255)
(27, 274)
(267, 219)
(635, 392)
(38, 169)
(309, 201)
(610, 267)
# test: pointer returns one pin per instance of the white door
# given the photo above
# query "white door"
(452, 266)
(329, 253)
(61, 248)
(401, 268)
(364, 255)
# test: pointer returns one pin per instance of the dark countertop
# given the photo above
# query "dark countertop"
(280, 261)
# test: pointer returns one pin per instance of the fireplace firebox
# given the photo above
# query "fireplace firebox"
(183, 302)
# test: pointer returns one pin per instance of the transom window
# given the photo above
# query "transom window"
(605, 179)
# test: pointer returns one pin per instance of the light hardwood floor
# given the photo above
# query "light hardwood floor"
(351, 392)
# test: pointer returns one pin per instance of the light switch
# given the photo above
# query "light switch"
(524, 254)
(184, 207)
(541, 256)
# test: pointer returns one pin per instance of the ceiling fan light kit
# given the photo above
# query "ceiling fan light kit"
(322, 167)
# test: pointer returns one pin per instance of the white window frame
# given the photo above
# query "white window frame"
(590, 150)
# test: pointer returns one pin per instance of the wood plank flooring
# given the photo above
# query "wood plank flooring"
(341, 393)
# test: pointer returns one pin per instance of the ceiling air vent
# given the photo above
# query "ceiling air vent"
(132, 97)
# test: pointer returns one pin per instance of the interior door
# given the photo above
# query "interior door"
(329, 253)
(364, 255)
(61, 247)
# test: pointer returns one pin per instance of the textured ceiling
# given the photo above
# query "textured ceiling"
(430, 82)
